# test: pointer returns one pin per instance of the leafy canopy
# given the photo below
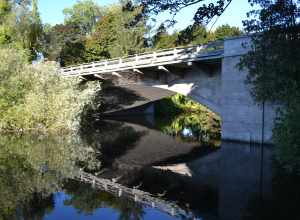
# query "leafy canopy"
(85, 14)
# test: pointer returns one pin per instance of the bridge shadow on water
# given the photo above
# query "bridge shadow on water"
(234, 181)
(200, 178)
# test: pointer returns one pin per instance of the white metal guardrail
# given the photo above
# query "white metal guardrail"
(150, 59)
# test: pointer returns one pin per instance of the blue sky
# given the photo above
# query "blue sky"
(51, 12)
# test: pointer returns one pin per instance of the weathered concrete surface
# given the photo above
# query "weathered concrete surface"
(241, 116)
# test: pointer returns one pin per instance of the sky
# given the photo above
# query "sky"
(51, 12)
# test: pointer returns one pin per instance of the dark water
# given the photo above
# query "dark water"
(178, 168)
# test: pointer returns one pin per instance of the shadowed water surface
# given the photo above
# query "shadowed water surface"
(189, 177)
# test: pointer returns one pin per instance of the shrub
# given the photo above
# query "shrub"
(35, 97)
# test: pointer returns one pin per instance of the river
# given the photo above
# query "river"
(141, 169)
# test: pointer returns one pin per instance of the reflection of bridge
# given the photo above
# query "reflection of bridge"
(208, 74)
(134, 194)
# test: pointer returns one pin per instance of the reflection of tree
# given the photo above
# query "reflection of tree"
(86, 200)
(32, 168)
(285, 200)
(111, 138)
(192, 127)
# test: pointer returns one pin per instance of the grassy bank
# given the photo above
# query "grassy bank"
(34, 98)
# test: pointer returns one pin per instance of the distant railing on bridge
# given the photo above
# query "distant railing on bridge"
(134, 194)
(149, 59)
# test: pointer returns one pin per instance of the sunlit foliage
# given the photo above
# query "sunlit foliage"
(120, 32)
(35, 97)
(85, 14)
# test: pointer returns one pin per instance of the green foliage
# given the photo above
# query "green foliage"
(194, 34)
(185, 113)
(162, 39)
(120, 32)
(224, 31)
(65, 44)
(35, 97)
(273, 64)
(286, 137)
(20, 27)
(85, 14)
(5, 8)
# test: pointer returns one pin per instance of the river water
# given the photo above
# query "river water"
(154, 172)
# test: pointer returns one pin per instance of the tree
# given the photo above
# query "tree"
(194, 34)
(120, 32)
(224, 31)
(162, 39)
(20, 26)
(204, 14)
(85, 14)
(36, 30)
(273, 65)
(65, 44)
(5, 8)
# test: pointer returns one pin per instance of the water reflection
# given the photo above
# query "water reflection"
(32, 168)
(37, 176)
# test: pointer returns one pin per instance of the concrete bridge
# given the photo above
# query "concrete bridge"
(208, 74)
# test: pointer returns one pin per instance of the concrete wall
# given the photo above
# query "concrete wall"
(241, 116)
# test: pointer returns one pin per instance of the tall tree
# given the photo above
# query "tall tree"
(120, 32)
(65, 44)
(226, 30)
(85, 14)
(274, 68)
(36, 29)
(162, 39)
(194, 34)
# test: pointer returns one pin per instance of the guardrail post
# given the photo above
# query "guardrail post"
(120, 62)
(198, 49)
(175, 53)
(120, 193)
(154, 57)
(136, 59)
(105, 64)
(173, 212)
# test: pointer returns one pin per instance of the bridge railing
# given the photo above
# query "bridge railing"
(144, 60)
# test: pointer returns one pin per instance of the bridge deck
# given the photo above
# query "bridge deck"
(210, 51)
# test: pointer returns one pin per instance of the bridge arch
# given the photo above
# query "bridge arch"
(208, 74)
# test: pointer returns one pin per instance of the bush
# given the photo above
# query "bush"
(287, 138)
(35, 97)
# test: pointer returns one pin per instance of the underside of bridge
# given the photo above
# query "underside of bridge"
(210, 78)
